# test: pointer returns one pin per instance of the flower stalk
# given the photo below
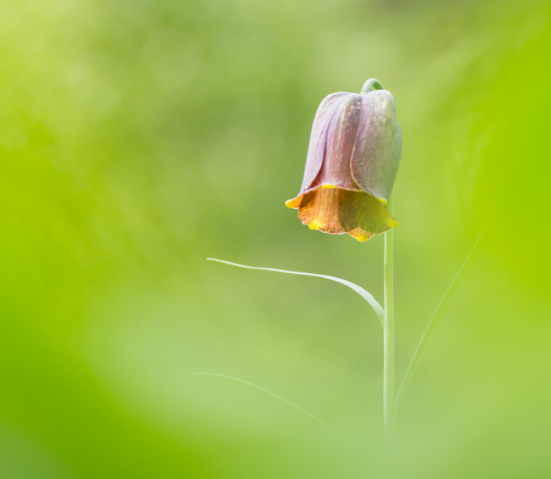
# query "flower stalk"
(388, 331)
(352, 160)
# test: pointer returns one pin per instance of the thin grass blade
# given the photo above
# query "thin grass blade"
(431, 328)
(362, 292)
(272, 394)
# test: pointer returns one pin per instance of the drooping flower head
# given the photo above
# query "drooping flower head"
(352, 160)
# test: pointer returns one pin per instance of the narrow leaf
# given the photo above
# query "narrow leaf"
(272, 394)
(362, 292)
(431, 328)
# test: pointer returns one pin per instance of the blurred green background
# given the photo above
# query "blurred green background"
(138, 137)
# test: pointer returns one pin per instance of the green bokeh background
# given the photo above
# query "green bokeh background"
(138, 137)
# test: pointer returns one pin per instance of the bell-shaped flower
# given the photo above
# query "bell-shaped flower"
(352, 160)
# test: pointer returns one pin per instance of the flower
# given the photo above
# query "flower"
(353, 156)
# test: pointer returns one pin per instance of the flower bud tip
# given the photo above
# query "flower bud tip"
(315, 225)
(360, 234)
(294, 203)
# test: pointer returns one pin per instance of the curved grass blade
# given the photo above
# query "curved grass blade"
(431, 328)
(362, 292)
(272, 394)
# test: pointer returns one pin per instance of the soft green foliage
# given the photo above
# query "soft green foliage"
(271, 394)
(138, 137)
(431, 328)
(362, 292)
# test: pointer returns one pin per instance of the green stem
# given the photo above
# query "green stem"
(370, 85)
(388, 374)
